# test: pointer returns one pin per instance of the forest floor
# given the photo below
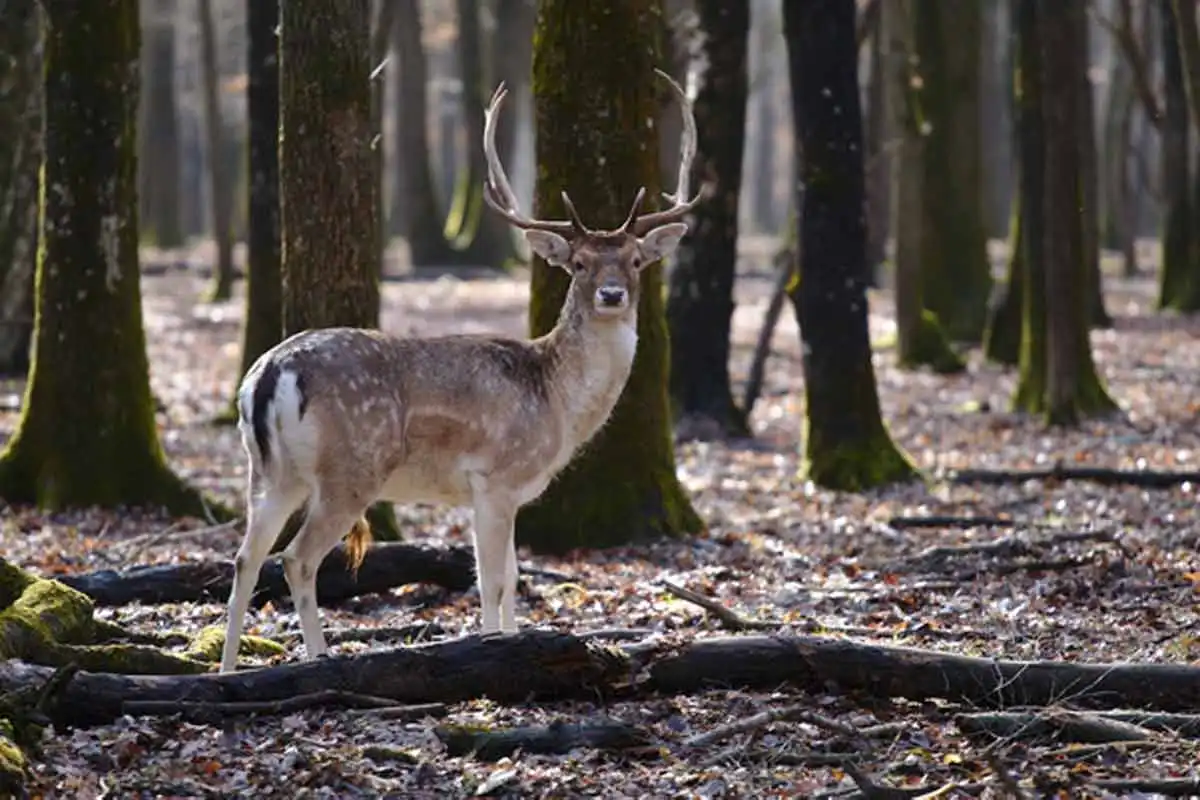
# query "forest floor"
(776, 549)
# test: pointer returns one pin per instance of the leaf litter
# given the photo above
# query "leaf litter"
(1056, 570)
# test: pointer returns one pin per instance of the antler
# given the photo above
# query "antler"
(497, 191)
(680, 207)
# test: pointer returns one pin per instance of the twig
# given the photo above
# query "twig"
(937, 521)
(403, 713)
(729, 618)
(1145, 479)
(795, 713)
(140, 544)
(203, 712)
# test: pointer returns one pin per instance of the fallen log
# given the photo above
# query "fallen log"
(820, 664)
(1105, 476)
(546, 664)
(507, 669)
(557, 738)
(386, 566)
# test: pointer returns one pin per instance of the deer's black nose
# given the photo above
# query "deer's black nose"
(611, 296)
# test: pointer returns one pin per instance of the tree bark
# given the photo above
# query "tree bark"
(700, 302)
(482, 239)
(921, 340)
(956, 277)
(1179, 286)
(263, 326)
(1119, 223)
(1089, 180)
(995, 138)
(1073, 388)
(158, 180)
(328, 190)
(1030, 395)
(847, 445)
(219, 199)
(600, 144)
(89, 313)
(879, 148)
(1189, 52)
(20, 157)
(421, 219)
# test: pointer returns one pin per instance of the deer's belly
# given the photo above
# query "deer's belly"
(421, 483)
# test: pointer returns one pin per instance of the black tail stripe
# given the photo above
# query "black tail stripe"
(264, 393)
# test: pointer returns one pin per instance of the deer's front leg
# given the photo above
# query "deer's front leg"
(494, 520)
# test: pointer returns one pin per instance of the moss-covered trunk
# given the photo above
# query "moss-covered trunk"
(1179, 286)
(956, 277)
(1073, 389)
(20, 157)
(419, 217)
(700, 301)
(483, 239)
(1030, 395)
(921, 341)
(847, 445)
(329, 189)
(594, 98)
(87, 432)
(263, 325)
(158, 157)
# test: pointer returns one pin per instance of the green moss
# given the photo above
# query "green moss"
(207, 644)
(14, 770)
(929, 347)
(40, 614)
(853, 465)
(601, 146)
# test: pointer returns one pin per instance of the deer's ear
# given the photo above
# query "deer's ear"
(661, 242)
(550, 246)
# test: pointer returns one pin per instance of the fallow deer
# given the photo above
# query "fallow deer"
(335, 419)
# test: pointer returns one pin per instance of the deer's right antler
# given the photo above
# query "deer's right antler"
(498, 192)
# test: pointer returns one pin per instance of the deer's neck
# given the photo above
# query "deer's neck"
(589, 361)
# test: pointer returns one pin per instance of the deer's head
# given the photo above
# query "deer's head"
(605, 265)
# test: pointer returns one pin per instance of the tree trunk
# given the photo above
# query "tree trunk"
(483, 239)
(921, 341)
(1179, 286)
(879, 152)
(846, 444)
(1072, 387)
(593, 72)
(329, 189)
(957, 278)
(996, 139)
(421, 220)
(158, 180)
(1002, 335)
(700, 302)
(20, 157)
(263, 326)
(218, 192)
(1089, 191)
(89, 314)
(763, 155)
(1189, 52)
(1118, 229)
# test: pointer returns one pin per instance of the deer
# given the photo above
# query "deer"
(335, 419)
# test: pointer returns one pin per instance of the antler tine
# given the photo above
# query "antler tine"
(633, 209)
(687, 152)
(576, 220)
(497, 191)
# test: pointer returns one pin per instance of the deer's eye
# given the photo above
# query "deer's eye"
(637, 262)
(577, 266)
